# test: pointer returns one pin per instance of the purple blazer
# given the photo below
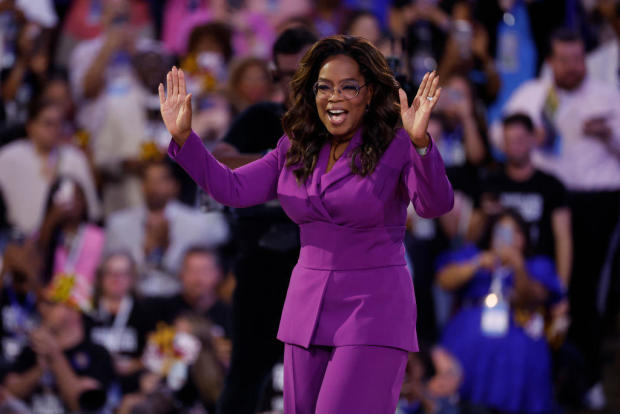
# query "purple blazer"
(351, 285)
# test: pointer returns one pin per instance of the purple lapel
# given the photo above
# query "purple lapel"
(313, 184)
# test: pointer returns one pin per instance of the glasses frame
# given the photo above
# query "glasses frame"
(339, 90)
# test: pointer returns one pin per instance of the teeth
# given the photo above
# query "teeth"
(337, 111)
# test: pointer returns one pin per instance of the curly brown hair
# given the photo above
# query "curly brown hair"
(304, 127)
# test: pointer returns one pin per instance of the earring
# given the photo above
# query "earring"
(367, 106)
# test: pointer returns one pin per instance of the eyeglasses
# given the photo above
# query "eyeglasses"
(348, 90)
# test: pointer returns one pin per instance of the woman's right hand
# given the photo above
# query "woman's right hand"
(176, 106)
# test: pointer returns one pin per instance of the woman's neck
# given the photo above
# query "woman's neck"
(111, 304)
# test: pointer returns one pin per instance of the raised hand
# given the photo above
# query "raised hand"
(176, 107)
(415, 117)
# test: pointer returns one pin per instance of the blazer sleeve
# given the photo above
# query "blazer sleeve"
(424, 178)
(252, 184)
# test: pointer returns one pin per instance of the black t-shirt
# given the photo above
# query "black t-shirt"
(535, 199)
(131, 339)
(257, 129)
(168, 309)
(86, 359)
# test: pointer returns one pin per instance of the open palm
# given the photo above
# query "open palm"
(176, 106)
(416, 117)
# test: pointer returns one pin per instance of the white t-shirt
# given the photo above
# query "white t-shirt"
(24, 186)
(582, 163)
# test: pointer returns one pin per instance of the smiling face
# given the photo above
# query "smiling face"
(342, 117)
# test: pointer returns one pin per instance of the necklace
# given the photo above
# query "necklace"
(333, 149)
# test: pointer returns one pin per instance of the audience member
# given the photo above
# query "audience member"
(365, 24)
(539, 197)
(28, 167)
(158, 232)
(249, 83)
(467, 51)
(25, 79)
(578, 130)
(200, 275)
(60, 370)
(498, 333)
(121, 320)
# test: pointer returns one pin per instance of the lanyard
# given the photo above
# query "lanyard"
(74, 251)
(119, 324)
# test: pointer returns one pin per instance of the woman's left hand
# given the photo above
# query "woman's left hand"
(415, 117)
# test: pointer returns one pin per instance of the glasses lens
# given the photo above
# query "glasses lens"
(322, 90)
(349, 90)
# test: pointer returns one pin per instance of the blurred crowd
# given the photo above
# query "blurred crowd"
(121, 282)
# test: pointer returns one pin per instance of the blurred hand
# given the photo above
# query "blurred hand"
(598, 128)
(487, 260)
(223, 350)
(176, 106)
(511, 256)
(43, 343)
(416, 117)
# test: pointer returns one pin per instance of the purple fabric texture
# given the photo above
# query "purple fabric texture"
(350, 285)
(346, 379)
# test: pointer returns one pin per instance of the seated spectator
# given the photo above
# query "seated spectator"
(200, 276)
(461, 138)
(539, 197)
(57, 89)
(158, 232)
(498, 333)
(194, 388)
(249, 83)
(68, 242)
(111, 104)
(29, 167)
(209, 52)
(60, 370)
(120, 319)
(180, 18)
(365, 24)
(577, 120)
(25, 79)
(467, 52)
(85, 20)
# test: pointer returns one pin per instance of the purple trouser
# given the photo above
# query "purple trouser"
(345, 379)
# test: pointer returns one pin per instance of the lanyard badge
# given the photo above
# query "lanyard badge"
(496, 310)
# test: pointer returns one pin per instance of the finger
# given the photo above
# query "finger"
(160, 90)
(175, 84)
(434, 85)
(422, 85)
(188, 102)
(436, 98)
(169, 85)
(427, 85)
(404, 105)
(182, 90)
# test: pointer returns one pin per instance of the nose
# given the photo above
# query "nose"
(336, 92)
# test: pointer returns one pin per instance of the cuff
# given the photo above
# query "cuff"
(422, 151)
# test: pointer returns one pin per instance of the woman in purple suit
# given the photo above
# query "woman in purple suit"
(345, 173)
